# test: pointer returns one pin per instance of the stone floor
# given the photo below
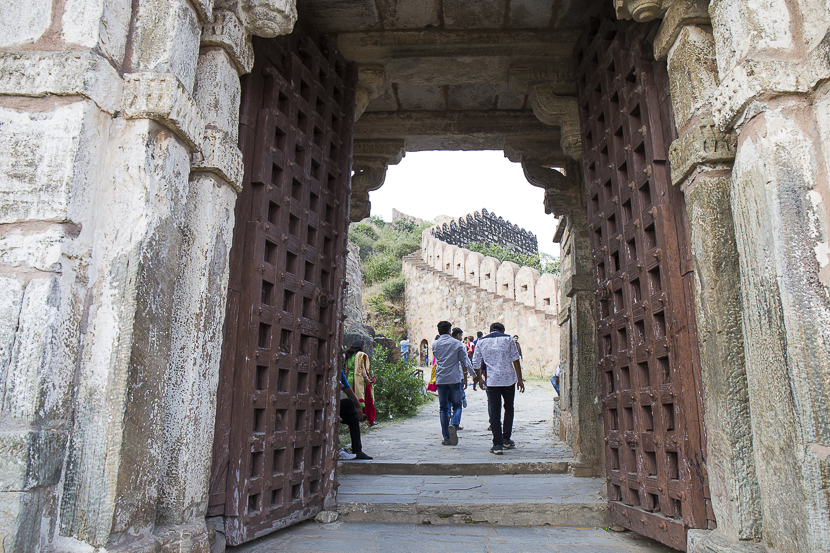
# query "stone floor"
(418, 495)
(312, 537)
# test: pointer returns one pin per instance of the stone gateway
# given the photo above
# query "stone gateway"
(176, 182)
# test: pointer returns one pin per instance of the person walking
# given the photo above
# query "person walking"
(504, 374)
(405, 345)
(350, 414)
(457, 333)
(360, 379)
(518, 347)
(451, 361)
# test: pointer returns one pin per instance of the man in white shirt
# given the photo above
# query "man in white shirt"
(504, 374)
(451, 362)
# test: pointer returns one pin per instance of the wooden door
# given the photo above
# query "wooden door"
(646, 335)
(276, 425)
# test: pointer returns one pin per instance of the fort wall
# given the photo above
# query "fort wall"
(486, 228)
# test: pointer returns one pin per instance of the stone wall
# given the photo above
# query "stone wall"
(485, 228)
(527, 303)
(398, 215)
(119, 170)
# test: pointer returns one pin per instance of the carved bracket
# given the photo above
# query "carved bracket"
(265, 18)
(562, 189)
(703, 145)
(371, 159)
(560, 111)
(641, 10)
(371, 83)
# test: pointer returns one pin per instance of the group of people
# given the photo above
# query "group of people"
(493, 362)
(356, 399)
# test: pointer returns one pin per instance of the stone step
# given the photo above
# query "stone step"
(454, 468)
(512, 500)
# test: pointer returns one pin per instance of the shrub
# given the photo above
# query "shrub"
(398, 390)
(365, 229)
(394, 289)
(381, 267)
(366, 245)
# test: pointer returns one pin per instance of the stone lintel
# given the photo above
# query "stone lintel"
(753, 79)
(385, 125)
(220, 155)
(680, 14)
(61, 73)
(547, 151)
(371, 83)
(641, 11)
(559, 75)
(704, 144)
(391, 150)
(227, 32)
(162, 98)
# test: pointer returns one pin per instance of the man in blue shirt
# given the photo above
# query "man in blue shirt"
(451, 362)
(405, 349)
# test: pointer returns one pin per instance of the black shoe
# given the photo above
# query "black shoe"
(445, 442)
(361, 455)
(496, 450)
(453, 435)
(509, 444)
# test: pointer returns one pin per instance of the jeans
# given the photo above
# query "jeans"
(494, 398)
(449, 395)
(348, 413)
(405, 357)
(463, 394)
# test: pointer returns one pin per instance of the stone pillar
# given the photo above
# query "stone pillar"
(580, 414)
(768, 439)
(371, 158)
(115, 256)
(701, 163)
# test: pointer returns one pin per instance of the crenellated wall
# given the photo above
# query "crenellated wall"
(486, 228)
(467, 291)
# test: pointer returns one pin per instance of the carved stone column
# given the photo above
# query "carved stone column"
(551, 89)
(580, 423)
(371, 158)
(701, 163)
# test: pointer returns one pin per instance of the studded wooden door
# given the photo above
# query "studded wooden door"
(646, 336)
(276, 425)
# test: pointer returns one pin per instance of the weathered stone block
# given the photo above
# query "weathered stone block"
(35, 384)
(449, 259)
(10, 302)
(217, 92)
(547, 294)
(526, 279)
(166, 39)
(530, 13)
(196, 347)
(100, 25)
(162, 98)
(461, 14)
(24, 22)
(702, 145)
(506, 280)
(20, 520)
(61, 73)
(460, 264)
(40, 249)
(751, 30)
(473, 268)
(30, 458)
(400, 14)
(693, 72)
(488, 270)
(226, 31)
(269, 18)
(221, 156)
(47, 159)
(778, 205)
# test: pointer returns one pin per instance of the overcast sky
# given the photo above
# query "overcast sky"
(428, 184)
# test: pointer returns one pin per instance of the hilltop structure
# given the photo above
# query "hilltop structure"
(484, 227)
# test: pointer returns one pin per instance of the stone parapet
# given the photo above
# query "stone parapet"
(432, 295)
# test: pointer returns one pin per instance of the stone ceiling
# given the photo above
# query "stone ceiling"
(458, 75)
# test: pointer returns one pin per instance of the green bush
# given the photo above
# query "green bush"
(366, 229)
(378, 306)
(394, 289)
(381, 267)
(366, 245)
(398, 390)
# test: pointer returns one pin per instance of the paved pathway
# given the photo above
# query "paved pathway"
(419, 439)
(312, 537)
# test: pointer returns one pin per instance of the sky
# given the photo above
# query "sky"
(428, 184)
